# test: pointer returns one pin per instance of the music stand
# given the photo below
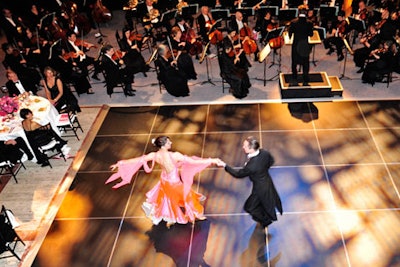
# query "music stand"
(168, 15)
(220, 14)
(272, 9)
(287, 15)
(246, 11)
(347, 50)
(271, 35)
(262, 57)
(357, 24)
(190, 10)
(46, 20)
(328, 12)
(205, 56)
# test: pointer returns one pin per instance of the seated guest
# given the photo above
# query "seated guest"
(39, 135)
(115, 72)
(57, 93)
(234, 74)
(384, 61)
(174, 79)
(16, 86)
(13, 150)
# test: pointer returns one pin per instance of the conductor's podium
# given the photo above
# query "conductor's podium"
(320, 85)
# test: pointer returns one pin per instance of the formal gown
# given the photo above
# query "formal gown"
(172, 198)
(67, 100)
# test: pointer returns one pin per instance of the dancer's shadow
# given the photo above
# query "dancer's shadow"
(257, 253)
(175, 242)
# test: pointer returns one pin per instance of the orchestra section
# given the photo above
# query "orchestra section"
(173, 36)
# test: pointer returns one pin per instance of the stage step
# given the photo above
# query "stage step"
(320, 85)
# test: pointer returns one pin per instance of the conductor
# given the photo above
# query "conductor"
(300, 28)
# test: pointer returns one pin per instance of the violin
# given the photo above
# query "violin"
(82, 43)
(118, 55)
(68, 55)
(380, 23)
(135, 36)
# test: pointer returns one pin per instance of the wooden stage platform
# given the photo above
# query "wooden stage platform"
(320, 85)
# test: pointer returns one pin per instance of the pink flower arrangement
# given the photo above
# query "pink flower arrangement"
(8, 105)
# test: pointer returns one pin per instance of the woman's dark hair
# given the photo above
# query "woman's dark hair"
(253, 143)
(160, 141)
(24, 113)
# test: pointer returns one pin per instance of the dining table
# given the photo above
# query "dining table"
(43, 113)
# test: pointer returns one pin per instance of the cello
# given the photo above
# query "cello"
(100, 13)
(248, 44)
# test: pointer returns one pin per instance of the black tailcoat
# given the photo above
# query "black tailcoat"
(264, 198)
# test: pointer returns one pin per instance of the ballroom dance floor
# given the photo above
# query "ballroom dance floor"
(336, 169)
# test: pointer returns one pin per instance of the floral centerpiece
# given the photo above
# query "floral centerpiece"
(8, 105)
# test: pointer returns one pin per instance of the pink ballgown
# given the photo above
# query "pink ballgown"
(172, 198)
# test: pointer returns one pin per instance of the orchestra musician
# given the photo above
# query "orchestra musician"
(173, 78)
(385, 26)
(131, 43)
(194, 46)
(241, 27)
(370, 41)
(15, 60)
(75, 52)
(34, 48)
(300, 29)
(232, 71)
(11, 25)
(150, 16)
(233, 38)
(335, 36)
(204, 21)
(182, 57)
(262, 23)
(66, 71)
(384, 59)
(115, 72)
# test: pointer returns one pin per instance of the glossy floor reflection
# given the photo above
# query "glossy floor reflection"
(337, 169)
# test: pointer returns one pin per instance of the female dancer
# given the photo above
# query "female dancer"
(172, 198)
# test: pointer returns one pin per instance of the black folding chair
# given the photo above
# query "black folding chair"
(8, 237)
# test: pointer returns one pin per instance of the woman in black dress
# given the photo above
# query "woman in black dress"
(234, 74)
(173, 78)
(181, 49)
(57, 93)
(131, 43)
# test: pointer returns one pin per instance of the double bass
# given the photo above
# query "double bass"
(100, 13)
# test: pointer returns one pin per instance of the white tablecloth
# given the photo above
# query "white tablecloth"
(43, 112)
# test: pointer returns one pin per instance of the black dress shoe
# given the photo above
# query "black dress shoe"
(129, 93)
(44, 164)
(330, 52)
(293, 84)
(94, 76)
(30, 156)
(360, 70)
(340, 58)
(144, 74)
